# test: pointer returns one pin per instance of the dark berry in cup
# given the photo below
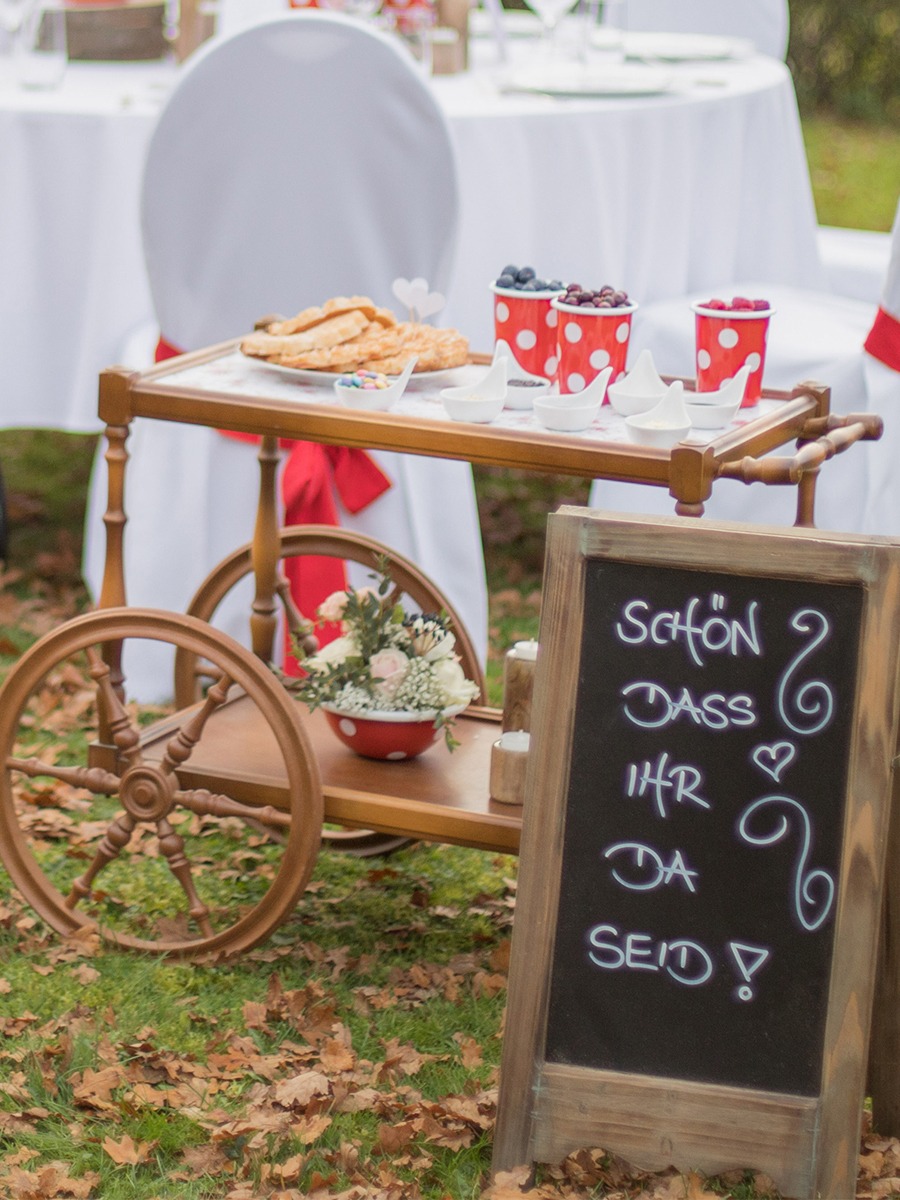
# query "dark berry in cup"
(525, 273)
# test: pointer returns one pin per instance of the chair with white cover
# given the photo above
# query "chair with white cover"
(851, 346)
(300, 158)
(854, 261)
(766, 23)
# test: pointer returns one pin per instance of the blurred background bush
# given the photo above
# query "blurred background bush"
(845, 58)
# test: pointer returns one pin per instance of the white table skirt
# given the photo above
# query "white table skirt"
(659, 195)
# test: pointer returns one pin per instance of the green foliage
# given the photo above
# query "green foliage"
(855, 172)
(844, 58)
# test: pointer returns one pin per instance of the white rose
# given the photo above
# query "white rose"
(332, 654)
(332, 607)
(452, 681)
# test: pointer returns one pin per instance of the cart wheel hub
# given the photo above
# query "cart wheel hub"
(147, 793)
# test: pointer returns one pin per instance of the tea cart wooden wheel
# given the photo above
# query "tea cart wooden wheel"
(299, 540)
(126, 835)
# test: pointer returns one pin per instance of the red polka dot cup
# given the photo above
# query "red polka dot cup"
(726, 340)
(590, 339)
(527, 323)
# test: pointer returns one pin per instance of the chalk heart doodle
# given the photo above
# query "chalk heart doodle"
(414, 295)
(775, 758)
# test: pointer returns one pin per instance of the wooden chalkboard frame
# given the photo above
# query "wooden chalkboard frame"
(807, 1144)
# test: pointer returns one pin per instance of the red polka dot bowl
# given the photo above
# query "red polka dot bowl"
(389, 736)
(725, 341)
(527, 322)
(590, 339)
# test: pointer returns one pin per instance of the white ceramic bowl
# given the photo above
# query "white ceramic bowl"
(640, 390)
(466, 404)
(481, 400)
(374, 399)
(628, 402)
(522, 386)
(708, 414)
(648, 430)
(565, 414)
(522, 390)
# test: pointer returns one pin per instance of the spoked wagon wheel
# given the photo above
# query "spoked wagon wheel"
(126, 834)
(297, 540)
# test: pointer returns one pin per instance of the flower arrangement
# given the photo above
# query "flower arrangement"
(385, 660)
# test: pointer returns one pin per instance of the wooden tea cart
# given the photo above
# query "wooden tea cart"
(238, 767)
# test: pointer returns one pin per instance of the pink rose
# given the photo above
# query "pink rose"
(332, 607)
(388, 668)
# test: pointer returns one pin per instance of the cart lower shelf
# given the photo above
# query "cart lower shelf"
(440, 796)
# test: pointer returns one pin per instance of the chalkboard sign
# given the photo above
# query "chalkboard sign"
(703, 840)
(705, 817)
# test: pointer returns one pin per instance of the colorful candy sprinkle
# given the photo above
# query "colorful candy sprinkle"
(370, 380)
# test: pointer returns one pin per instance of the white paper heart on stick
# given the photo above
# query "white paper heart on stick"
(415, 296)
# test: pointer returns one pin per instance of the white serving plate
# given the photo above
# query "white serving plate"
(682, 47)
(327, 378)
(573, 80)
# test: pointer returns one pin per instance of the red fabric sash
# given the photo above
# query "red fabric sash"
(883, 341)
(313, 476)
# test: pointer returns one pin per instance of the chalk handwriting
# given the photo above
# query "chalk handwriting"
(649, 865)
(748, 960)
(810, 909)
(702, 633)
(811, 706)
(774, 759)
(678, 782)
(651, 706)
(684, 960)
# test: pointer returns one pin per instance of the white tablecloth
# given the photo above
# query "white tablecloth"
(657, 194)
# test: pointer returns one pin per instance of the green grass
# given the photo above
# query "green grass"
(405, 952)
(855, 172)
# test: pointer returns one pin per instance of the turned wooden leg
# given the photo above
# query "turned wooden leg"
(265, 553)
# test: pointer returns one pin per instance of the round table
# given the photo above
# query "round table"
(658, 194)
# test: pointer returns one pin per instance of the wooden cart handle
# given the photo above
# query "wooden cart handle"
(828, 436)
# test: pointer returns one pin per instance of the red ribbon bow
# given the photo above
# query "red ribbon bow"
(883, 341)
(313, 476)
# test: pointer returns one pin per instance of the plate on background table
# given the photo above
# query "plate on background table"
(572, 80)
(326, 378)
(516, 24)
(682, 47)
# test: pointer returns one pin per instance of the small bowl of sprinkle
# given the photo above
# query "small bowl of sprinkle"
(372, 389)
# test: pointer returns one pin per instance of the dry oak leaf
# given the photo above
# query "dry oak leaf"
(49, 1183)
(209, 1159)
(511, 1185)
(392, 1138)
(284, 1172)
(469, 1050)
(884, 1188)
(689, 1186)
(85, 974)
(871, 1165)
(310, 1129)
(334, 1056)
(301, 1089)
(127, 1150)
(95, 1088)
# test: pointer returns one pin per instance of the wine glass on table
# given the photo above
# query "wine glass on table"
(550, 13)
